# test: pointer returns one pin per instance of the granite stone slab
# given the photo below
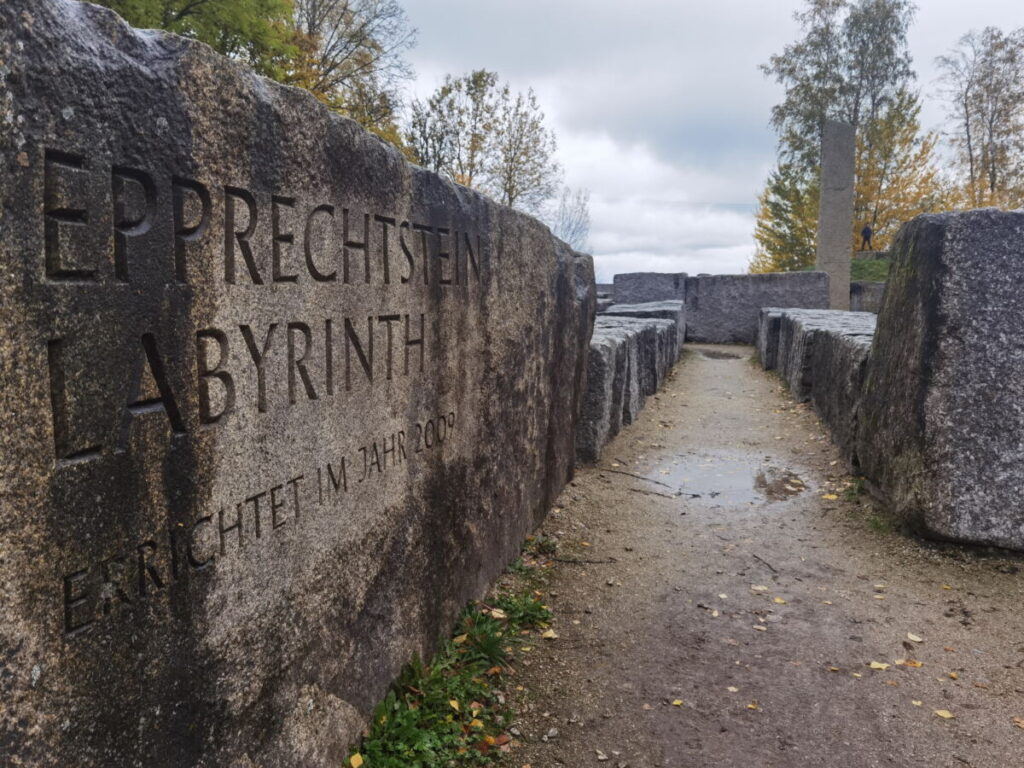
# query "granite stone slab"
(942, 415)
(274, 403)
(725, 309)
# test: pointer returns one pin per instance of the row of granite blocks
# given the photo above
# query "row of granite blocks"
(926, 401)
(632, 350)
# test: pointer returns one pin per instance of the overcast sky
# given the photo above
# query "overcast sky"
(659, 106)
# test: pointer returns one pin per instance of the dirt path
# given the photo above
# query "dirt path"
(759, 604)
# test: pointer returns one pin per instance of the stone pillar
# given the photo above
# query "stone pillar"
(835, 212)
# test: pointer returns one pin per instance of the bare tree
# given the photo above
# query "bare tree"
(569, 219)
(353, 50)
(522, 171)
(474, 130)
(983, 80)
(451, 131)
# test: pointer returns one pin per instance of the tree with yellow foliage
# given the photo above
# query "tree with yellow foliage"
(787, 218)
(897, 174)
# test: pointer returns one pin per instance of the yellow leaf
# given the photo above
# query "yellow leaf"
(917, 703)
(914, 663)
(758, 588)
(779, 601)
(946, 586)
(954, 676)
(733, 689)
(550, 635)
(858, 675)
(761, 629)
(945, 714)
(879, 665)
(677, 703)
(914, 638)
(460, 639)
(475, 723)
(497, 613)
(356, 760)
(752, 705)
(827, 602)
(454, 704)
(879, 597)
(830, 497)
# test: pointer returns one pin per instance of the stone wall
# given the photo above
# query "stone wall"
(724, 309)
(821, 355)
(630, 356)
(866, 296)
(274, 404)
(942, 415)
(641, 287)
(928, 409)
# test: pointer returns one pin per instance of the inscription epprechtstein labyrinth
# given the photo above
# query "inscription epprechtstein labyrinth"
(306, 244)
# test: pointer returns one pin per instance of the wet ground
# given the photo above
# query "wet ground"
(724, 598)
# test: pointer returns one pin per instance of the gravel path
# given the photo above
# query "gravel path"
(728, 599)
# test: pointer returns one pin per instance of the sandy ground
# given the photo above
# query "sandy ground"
(714, 608)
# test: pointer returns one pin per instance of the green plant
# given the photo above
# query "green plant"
(854, 490)
(450, 712)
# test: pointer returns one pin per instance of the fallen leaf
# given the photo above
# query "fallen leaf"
(858, 675)
(733, 689)
(715, 614)
(779, 601)
(495, 670)
(914, 638)
(833, 669)
(946, 586)
(954, 676)
(759, 628)
(917, 703)
(945, 714)
(723, 596)
(497, 613)
(1019, 722)
(914, 663)
(879, 597)
(460, 639)
(830, 497)
(827, 602)
(758, 588)
(677, 703)
(752, 705)
(356, 760)
(949, 649)
(476, 723)
(550, 635)
(454, 704)
(892, 683)
(879, 665)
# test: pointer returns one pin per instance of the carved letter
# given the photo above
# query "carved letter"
(187, 233)
(231, 234)
(126, 225)
(206, 372)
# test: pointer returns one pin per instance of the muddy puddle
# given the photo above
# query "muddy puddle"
(724, 478)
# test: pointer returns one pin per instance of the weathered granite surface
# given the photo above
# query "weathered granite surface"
(642, 287)
(604, 304)
(667, 310)
(605, 290)
(942, 413)
(630, 357)
(835, 209)
(725, 309)
(866, 296)
(273, 403)
(822, 355)
(767, 341)
(799, 332)
(839, 360)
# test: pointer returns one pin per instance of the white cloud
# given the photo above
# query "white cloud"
(659, 105)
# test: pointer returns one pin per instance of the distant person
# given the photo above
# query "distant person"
(865, 238)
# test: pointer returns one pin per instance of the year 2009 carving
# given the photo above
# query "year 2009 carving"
(234, 527)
